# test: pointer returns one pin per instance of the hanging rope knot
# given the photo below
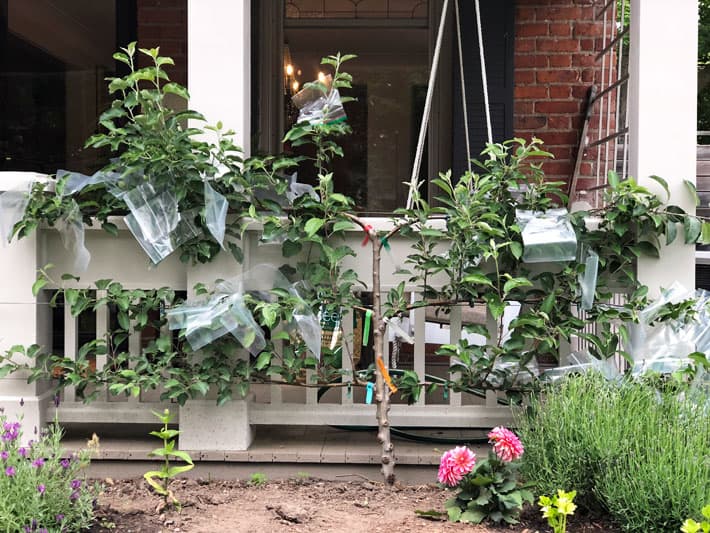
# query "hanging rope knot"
(367, 229)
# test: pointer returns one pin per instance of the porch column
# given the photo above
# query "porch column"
(219, 82)
(219, 63)
(24, 320)
(662, 119)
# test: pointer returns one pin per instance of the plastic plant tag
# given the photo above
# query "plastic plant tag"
(318, 107)
(71, 231)
(588, 280)
(216, 206)
(12, 209)
(547, 236)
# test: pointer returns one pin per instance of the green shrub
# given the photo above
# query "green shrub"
(41, 489)
(639, 452)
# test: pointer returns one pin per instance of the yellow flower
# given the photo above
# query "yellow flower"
(690, 526)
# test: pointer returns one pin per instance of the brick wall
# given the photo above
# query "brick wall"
(556, 43)
(164, 23)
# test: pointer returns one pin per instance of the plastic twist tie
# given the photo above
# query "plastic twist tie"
(367, 229)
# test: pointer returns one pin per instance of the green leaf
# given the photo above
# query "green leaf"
(153, 483)
(671, 231)
(693, 191)
(613, 179)
(110, 228)
(477, 279)
(37, 285)
(291, 248)
(262, 361)
(313, 225)
(692, 228)
(705, 233)
(472, 516)
(175, 470)
(514, 283)
(342, 225)
(174, 88)
(663, 183)
(340, 198)
(516, 249)
(454, 513)
(648, 248)
(184, 456)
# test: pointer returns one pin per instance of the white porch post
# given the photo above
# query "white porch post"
(219, 63)
(662, 118)
(219, 82)
(24, 320)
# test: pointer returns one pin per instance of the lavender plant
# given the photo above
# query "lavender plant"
(42, 488)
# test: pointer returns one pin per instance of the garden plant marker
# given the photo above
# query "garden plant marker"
(386, 375)
(369, 391)
(366, 327)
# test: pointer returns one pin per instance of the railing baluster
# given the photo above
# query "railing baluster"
(420, 347)
(102, 327)
(493, 327)
(134, 347)
(346, 323)
(276, 397)
(71, 345)
(454, 337)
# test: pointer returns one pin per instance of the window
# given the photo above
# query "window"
(54, 58)
(394, 42)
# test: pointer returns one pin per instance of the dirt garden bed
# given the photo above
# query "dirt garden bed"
(299, 505)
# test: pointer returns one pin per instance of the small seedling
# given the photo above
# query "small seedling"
(691, 526)
(160, 479)
(257, 479)
(557, 509)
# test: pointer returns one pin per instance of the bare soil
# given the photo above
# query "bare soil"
(299, 505)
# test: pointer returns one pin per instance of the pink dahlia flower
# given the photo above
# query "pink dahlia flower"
(506, 444)
(455, 464)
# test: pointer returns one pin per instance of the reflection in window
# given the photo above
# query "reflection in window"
(56, 55)
(407, 9)
(390, 76)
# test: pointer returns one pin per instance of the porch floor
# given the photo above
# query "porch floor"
(282, 452)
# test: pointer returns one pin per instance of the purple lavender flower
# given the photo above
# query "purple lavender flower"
(27, 529)
(22, 451)
(43, 530)
(56, 400)
(37, 463)
(10, 471)
(34, 524)
(4, 455)
(65, 463)
(74, 496)
(31, 443)
(12, 431)
(22, 402)
(59, 517)
(76, 484)
(41, 488)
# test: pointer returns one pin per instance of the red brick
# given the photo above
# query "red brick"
(560, 60)
(531, 92)
(560, 168)
(560, 91)
(587, 45)
(523, 77)
(531, 61)
(531, 122)
(584, 60)
(558, 45)
(524, 14)
(580, 92)
(561, 30)
(588, 75)
(557, 76)
(558, 107)
(588, 29)
(558, 13)
(561, 138)
(523, 108)
(559, 122)
(525, 45)
(531, 30)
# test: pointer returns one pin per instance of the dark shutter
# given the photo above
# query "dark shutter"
(497, 21)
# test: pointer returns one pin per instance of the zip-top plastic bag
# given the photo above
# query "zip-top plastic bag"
(318, 107)
(216, 207)
(547, 236)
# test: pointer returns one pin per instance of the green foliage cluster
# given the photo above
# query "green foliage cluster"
(637, 450)
(160, 479)
(469, 238)
(491, 492)
(557, 509)
(43, 488)
(691, 526)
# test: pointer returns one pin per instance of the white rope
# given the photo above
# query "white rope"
(463, 88)
(427, 108)
(484, 76)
